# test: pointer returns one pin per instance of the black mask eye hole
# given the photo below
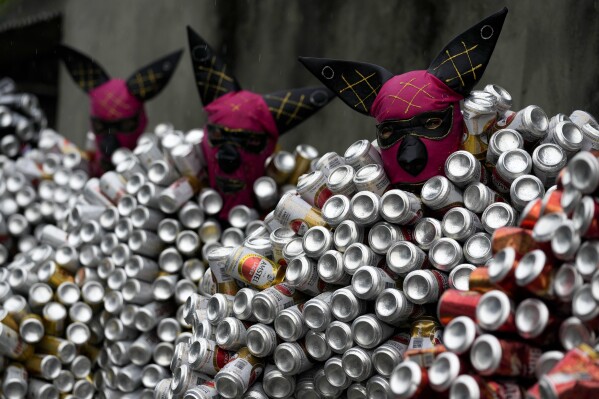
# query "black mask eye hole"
(385, 132)
(433, 123)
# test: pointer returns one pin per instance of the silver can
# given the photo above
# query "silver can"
(392, 306)
(336, 210)
(478, 196)
(426, 232)
(369, 281)
(317, 346)
(362, 153)
(345, 305)
(425, 286)
(497, 215)
(317, 312)
(276, 384)
(382, 236)
(302, 273)
(317, 241)
(459, 334)
(365, 207)
(463, 169)
(341, 181)
(333, 370)
(356, 255)
(440, 195)
(347, 233)
(329, 161)
(368, 331)
(477, 249)
(261, 340)
(357, 364)
(501, 141)
(567, 136)
(330, 268)
(372, 178)
(531, 122)
(510, 165)
(313, 189)
(390, 354)
(268, 303)
(525, 189)
(289, 324)
(339, 336)
(292, 358)
(231, 334)
(460, 224)
(401, 207)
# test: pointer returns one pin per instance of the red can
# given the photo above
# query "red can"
(454, 303)
(535, 274)
(586, 217)
(492, 356)
(531, 213)
(518, 238)
(552, 202)
(479, 280)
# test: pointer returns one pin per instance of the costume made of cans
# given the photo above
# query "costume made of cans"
(117, 112)
(418, 112)
(243, 127)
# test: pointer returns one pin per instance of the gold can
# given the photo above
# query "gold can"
(12, 345)
(252, 268)
(7, 319)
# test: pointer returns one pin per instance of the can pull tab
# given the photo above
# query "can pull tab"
(228, 158)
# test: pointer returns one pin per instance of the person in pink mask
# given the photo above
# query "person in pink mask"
(243, 127)
(418, 112)
(117, 112)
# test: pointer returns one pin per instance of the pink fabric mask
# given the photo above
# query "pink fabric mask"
(243, 127)
(117, 112)
(418, 112)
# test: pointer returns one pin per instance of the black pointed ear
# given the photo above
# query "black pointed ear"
(212, 76)
(356, 83)
(291, 107)
(86, 73)
(148, 81)
(463, 61)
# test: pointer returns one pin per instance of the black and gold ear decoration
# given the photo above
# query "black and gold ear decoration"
(356, 83)
(86, 73)
(148, 81)
(211, 73)
(461, 64)
(291, 107)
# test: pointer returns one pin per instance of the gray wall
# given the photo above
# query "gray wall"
(547, 53)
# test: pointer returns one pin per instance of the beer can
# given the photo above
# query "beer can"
(586, 217)
(346, 233)
(293, 249)
(294, 212)
(445, 254)
(390, 354)
(181, 190)
(339, 337)
(368, 331)
(510, 165)
(445, 369)
(219, 307)
(573, 332)
(276, 384)
(345, 305)
(535, 274)
(383, 235)
(584, 305)
(316, 241)
(280, 166)
(492, 356)
(426, 232)
(393, 307)
(365, 208)
(590, 134)
(425, 286)
(323, 387)
(369, 281)
(336, 209)
(46, 366)
(495, 312)
(330, 268)
(531, 122)
(289, 323)
(317, 346)
(459, 277)
(12, 345)
(15, 381)
(378, 386)
(341, 181)
(210, 201)
(242, 304)
(357, 391)
(454, 303)
(401, 207)
(409, 380)
(440, 195)
(292, 358)
(266, 192)
(185, 378)
(304, 154)
(231, 334)
(313, 189)
(31, 329)
(357, 255)
(568, 136)
(362, 153)
(525, 189)
(329, 161)
(477, 249)
(566, 281)
(268, 303)
(372, 178)
(317, 311)
(247, 266)
(581, 118)
(460, 224)
(547, 361)
(474, 386)
(191, 215)
(278, 238)
(533, 319)
(459, 334)
(463, 169)
(206, 357)
(302, 273)
(333, 371)
(261, 340)
(357, 363)
(498, 215)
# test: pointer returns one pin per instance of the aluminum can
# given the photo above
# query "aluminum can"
(268, 303)
(498, 215)
(445, 254)
(357, 255)
(365, 207)
(584, 305)
(463, 169)
(292, 358)
(261, 340)
(479, 115)
(501, 141)
(45, 366)
(459, 334)
(569, 137)
(279, 238)
(276, 384)
(425, 286)
(368, 331)
(490, 355)
(369, 281)
(146, 243)
(357, 391)
(323, 387)
(524, 189)
(535, 274)
(590, 134)
(289, 323)
(474, 386)
(533, 319)
(330, 268)
(252, 268)
(459, 277)
(31, 329)
(15, 381)
(454, 303)
(532, 123)
(12, 345)
(425, 335)
(401, 207)
(206, 357)
(477, 249)
(566, 281)
(357, 363)
(171, 199)
(293, 249)
(149, 315)
(241, 215)
(566, 242)
(317, 311)
(191, 215)
(409, 380)
(362, 153)
(294, 212)
(329, 161)
(581, 118)
(510, 165)
(346, 233)
(440, 195)
(383, 235)
(265, 190)
(333, 371)
(184, 378)
(390, 354)
(345, 305)
(302, 273)
(393, 307)
(205, 391)
(378, 386)
(336, 210)
(341, 181)
(280, 166)
(460, 224)
(313, 189)
(304, 154)
(586, 217)
(445, 369)
(372, 178)
(316, 241)
(495, 312)
(339, 337)
(501, 271)
(573, 332)
(231, 334)
(426, 232)
(220, 306)
(317, 346)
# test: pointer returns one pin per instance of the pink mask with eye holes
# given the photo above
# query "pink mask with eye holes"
(413, 95)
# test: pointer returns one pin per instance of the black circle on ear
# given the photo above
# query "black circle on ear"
(318, 98)
(486, 32)
(200, 53)
(328, 72)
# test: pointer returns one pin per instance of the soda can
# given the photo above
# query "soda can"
(330, 268)
(362, 153)
(440, 195)
(261, 340)
(568, 136)
(341, 181)
(357, 255)
(336, 209)
(459, 334)
(365, 207)
(294, 212)
(459, 277)
(317, 346)
(339, 337)
(495, 312)
(393, 307)
(333, 371)
(268, 303)
(347, 233)
(532, 123)
(477, 249)
(383, 235)
(409, 380)
(492, 356)
(369, 281)
(445, 254)
(345, 305)
(535, 274)
(426, 232)
(573, 332)
(368, 331)
(357, 363)
(329, 161)
(206, 357)
(498, 215)
(425, 286)
(280, 166)
(524, 189)
(304, 154)
(317, 311)
(401, 207)
(277, 384)
(474, 386)
(372, 178)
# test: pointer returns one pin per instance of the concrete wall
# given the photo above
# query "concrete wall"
(547, 53)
